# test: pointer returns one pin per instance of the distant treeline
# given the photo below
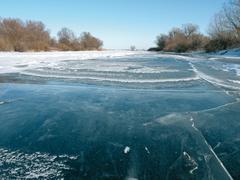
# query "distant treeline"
(17, 35)
(224, 33)
(182, 39)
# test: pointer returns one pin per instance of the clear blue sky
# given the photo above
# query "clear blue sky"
(119, 23)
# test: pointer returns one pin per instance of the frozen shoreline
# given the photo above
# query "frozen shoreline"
(11, 61)
(74, 54)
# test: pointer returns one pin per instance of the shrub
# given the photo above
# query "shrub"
(161, 42)
(182, 39)
(89, 42)
(69, 41)
(17, 35)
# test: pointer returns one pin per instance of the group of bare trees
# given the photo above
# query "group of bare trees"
(17, 35)
(224, 30)
(67, 40)
(187, 38)
(224, 33)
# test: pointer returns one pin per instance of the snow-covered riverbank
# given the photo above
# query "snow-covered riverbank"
(14, 61)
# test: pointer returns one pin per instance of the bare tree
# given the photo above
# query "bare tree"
(190, 29)
(66, 38)
(133, 48)
(224, 29)
(232, 15)
(36, 37)
(16, 35)
(161, 41)
(89, 42)
(23, 36)
(12, 31)
(175, 32)
(187, 38)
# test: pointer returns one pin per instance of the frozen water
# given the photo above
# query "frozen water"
(118, 115)
(19, 165)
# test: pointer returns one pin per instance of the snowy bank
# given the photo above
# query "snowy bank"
(230, 53)
(12, 61)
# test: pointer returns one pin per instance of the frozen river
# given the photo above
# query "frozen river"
(119, 115)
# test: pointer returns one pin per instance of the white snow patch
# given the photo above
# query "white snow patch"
(213, 80)
(175, 56)
(112, 79)
(234, 81)
(11, 62)
(19, 165)
(232, 67)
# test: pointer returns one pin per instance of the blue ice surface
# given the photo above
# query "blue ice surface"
(170, 129)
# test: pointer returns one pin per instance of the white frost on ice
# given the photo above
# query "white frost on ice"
(126, 150)
(233, 67)
(234, 81)
(192, 170)
(180, 57)
(192, 161)
(193, 124)
(2, 102)
(92, 66)
(19, 165)
(217, 146)
(114, 79)
(147, 150)
(213, 80)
